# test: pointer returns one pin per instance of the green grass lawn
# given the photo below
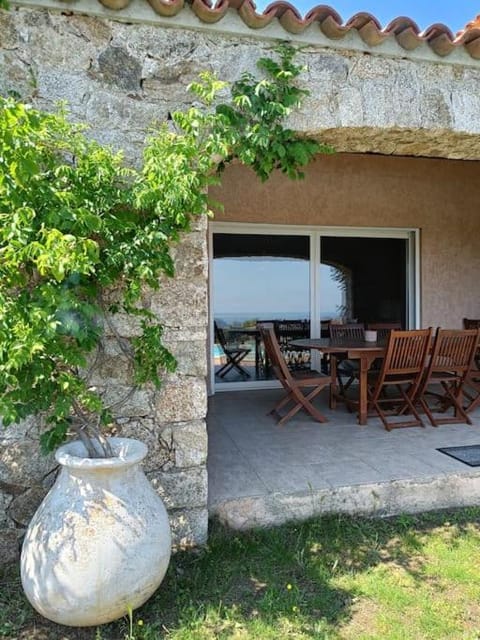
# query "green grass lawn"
(410, 577)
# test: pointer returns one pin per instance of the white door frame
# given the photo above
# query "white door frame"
(315, 233)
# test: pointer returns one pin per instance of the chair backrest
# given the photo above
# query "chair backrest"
(219, 335)
(280, 368)
(454, 351)
(347, 331)
(406, 352)
(383, 328)
(295, 328)
(471, 323)
(287, 330)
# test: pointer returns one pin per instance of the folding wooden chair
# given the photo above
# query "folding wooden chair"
(343, 367)
(233, 353)
(470, 323)
(471, 389)
(401, 372)
(293, 382)
(450, 363)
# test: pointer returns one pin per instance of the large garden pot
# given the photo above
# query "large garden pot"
(99, 542)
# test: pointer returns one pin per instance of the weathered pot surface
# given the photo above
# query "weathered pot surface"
(100, 542)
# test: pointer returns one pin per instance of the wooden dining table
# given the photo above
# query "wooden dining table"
(364, 352)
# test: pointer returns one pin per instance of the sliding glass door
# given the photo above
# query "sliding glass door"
(255, 277)
(364, 279)
(301, 279)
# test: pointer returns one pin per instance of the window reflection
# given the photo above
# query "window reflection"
(259, 278)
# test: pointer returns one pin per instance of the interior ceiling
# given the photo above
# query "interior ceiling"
(339, 250)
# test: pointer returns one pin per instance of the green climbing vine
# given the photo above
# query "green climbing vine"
(81, 234)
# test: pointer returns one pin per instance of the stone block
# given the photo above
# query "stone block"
(117, 369)
(5, 501)
(189, 527)
(10, 545)
(116, 67)
(181, 401)
(22, 463)
(181, 302)
(435, 109)
(23, 507)
(15, 77)
(199, 223)
(9, 31)
(189, 443)
(190, 256)
(186, 488)
(191, 357)
(123, 325)
(160, 449)
(128, 401)
(176, 334)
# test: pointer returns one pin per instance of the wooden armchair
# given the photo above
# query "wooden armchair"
(396, 384)
(449, 366)
(294, 383)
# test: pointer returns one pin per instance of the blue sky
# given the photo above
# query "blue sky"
(265, 288)
(454, 13)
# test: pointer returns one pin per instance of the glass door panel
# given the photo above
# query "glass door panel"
(258, 277)
(363, 279)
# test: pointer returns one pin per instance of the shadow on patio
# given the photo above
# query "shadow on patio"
(262, 474)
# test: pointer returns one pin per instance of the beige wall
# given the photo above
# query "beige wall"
(440, 197)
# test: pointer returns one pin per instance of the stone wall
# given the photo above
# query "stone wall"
(49, 57)
(171, 421)
(120, 78)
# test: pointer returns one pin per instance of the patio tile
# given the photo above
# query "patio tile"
(396, 467)
(294, 479)
(445, 464)
(252, 457)
(288, 458)
(350, 472)
(235, 479)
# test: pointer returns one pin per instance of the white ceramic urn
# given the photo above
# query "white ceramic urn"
(100, 541)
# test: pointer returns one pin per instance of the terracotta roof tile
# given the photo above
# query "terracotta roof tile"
(404, 30)
(474, 24)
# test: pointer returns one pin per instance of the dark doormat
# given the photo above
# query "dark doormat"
(469, 454)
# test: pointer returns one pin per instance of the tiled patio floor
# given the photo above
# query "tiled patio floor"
(260, 473)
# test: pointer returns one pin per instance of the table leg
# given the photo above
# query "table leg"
(333, 382)
(257, 355)
(363, 385)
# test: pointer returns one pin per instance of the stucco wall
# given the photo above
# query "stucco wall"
(439, 197)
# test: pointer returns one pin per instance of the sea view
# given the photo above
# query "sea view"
(233, 319)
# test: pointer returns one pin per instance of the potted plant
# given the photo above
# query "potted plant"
(81, 238)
